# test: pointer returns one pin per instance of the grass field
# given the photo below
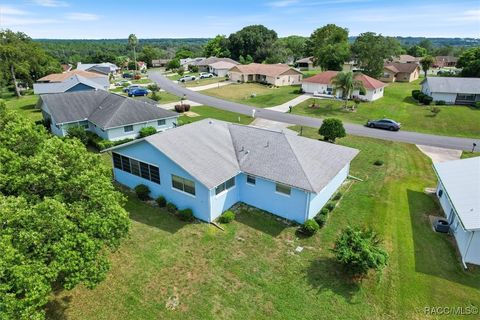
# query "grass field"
(211, 112)
(310, 73)
(142, 81)
(397, 104)
(203, 82)
(249, 271)
(265, 96)
(25, 106)
(165, 97)
(469, 154)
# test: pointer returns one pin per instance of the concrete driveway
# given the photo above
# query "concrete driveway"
(354, 129)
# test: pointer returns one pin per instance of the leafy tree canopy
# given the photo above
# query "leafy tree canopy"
(217, 47)
(329, 47)
(470, 62)
(332, 129)
(417, 51)
(296, 46)
(254, 40)
(59, 213)
(371, 50)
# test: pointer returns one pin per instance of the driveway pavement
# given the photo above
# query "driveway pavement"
(292, 103)
(354, 129)
(440, 154)
(210, 86)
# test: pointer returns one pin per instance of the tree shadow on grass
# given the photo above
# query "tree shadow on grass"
(56, 308)
(435, 253)
(151, 215)
(261, 221)
(325, 274)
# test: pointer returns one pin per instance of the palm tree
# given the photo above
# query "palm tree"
(347, 82)
(426, 63)
(132, 43)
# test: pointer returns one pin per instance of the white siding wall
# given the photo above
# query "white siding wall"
(473, 255)
(310, 87)
(447, 97)
(119, 133)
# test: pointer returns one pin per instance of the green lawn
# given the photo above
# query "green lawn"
(25, 106)
(310, 73)
(265, 96)
(249, 271)
(177, 76)
(397, 104)
(211, 112)
(469, 154)
(142, 81)
(203, 82)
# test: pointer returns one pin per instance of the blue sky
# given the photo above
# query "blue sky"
(98, 19)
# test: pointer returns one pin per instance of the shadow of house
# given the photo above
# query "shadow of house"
(261, 221)
(326, 274)
(435, 253)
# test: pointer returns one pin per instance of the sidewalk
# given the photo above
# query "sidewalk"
(285, 107)
(210, 86)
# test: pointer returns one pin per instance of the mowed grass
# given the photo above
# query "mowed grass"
(205, 81)
(265, 96)
(397, 104)
(250, 270)
(25, 106)
(165, 97)
(310, 73)
(202, 112)
(469, 154)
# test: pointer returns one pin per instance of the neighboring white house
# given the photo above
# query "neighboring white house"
(105, 68)
(109, 115)
(452, 90)
(322, 84)
(204, 64)
(75, 80)
(458, 191)
(220, 68)
(274, 74)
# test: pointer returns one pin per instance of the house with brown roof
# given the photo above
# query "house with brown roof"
(406, 58)
(220, 68)
(204, 63)
(75, 80)
(274, 74)
(445, 61)
(321, 84)
(305, 63)
(401, 72)
(157, 63)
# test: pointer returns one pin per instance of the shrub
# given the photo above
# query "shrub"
(310, 227)
(180, 71)
(172, 208)
(321, 219)
(142, 192)
(79, 133)
(324, 211)
(227, 217)
(378, 163)
(330, 206)
(337, 196)
(477, 104)
(359, 251)
(440, 103)
(193, 69)
(331, 129)
(186, 107)
(147, 131)
(180, 108)
(185, 215)
(435, 110)
(161, 201)
(420, 97)
(427, 100)
(415, 94)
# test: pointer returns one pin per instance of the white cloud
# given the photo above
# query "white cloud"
(6, 10)
(10, 21)
(51, 3)
(80, 16)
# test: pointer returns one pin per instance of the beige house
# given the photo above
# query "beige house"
(274, 74)
(220, 68)
(401, 72)
(406, 58)
(305, 63)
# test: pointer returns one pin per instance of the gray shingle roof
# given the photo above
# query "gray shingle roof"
(213, 151)
(453, 85)
(58, 87)
(104, 109)
(208, 61)
(461, 179)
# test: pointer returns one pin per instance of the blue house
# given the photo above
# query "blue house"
(210, 165)
(111, 116)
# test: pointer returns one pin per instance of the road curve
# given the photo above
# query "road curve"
(354, 129)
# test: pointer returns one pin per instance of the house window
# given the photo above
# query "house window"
(128, 128)
(230, 183)
(281, 188)
(161, 122)
(183, 184)
(135, 167)
(251, 179)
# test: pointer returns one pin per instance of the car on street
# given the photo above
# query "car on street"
(388, 124)
(204, 75)
(138, 92)
(187, 78)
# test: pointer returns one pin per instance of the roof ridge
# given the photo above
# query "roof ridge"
(99, 104)
(299, 162)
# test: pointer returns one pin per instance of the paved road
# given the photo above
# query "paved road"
(354, 129)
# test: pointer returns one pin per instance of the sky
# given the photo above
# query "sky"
(101, 19)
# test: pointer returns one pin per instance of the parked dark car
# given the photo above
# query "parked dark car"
(388, 124)
(127, 75)
(441, 225)
(138, 92)
(131, 87)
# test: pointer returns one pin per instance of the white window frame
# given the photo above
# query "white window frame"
(125, 128)
(282, 193)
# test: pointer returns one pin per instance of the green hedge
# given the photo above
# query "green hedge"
(227, 217)
(185, 215)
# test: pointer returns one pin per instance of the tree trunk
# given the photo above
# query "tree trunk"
(14, 79)
(135, 58)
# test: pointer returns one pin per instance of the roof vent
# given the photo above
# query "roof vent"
(268, 143)
(243, 149)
